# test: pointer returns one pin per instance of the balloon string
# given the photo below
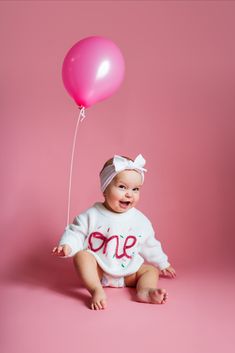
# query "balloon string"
(81, 117)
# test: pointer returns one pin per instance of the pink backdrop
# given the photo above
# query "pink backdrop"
(176, 107)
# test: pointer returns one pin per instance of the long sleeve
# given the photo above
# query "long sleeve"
(74, 236)
(151, 250)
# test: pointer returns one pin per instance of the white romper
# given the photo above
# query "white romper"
(120, 242)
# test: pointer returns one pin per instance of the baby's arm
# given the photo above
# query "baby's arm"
(152, 252)
(72, 239)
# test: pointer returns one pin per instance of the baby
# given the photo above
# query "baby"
(110, 241)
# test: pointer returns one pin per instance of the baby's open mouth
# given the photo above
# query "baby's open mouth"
(124, 203)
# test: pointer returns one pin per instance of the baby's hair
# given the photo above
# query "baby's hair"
(110, 162)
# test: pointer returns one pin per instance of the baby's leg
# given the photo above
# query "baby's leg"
(90, 273)
(146, 280)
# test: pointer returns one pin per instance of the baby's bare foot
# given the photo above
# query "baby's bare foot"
(98, 300)
(152, 295)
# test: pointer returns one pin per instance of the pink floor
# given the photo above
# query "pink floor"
(44, 309)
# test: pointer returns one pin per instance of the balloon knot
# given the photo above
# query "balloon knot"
(82, 113)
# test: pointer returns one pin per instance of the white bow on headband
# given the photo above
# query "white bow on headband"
(121, 163)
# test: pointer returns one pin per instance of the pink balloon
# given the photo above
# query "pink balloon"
(93, 69)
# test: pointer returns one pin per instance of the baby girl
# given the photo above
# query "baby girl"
(110, 241)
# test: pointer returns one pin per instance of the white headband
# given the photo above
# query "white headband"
(120, 164)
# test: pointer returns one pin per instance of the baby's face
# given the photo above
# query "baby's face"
(123, 192)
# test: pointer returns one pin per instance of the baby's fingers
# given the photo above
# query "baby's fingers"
(57, 250)
(164, 272)
(173, 273)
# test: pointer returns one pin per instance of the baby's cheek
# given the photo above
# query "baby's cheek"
(116, 194)
(136, 201)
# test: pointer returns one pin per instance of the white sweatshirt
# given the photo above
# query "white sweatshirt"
(120, 242)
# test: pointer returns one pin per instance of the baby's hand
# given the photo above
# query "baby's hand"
(169, 272)
(62, 250)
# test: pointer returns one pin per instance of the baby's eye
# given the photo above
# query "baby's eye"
(136, 189)
(122, 187)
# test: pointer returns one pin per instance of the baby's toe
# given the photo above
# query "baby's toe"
(97, 306)
(158, 296)
(94, 306)
(165, 298)
(103, 304)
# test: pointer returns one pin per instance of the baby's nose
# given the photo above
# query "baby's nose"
(129, 193)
